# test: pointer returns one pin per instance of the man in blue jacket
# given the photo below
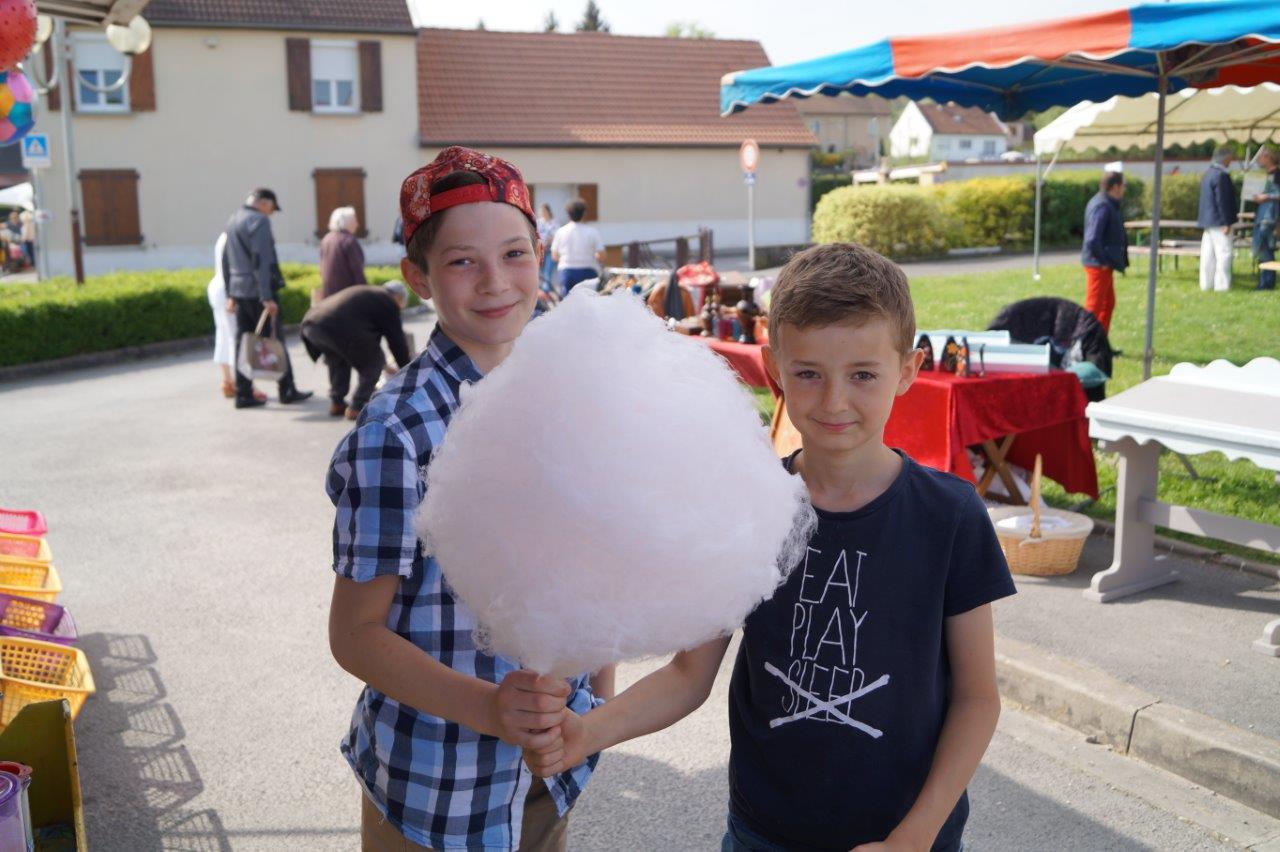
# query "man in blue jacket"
(1105, 247)
(1264, 221)
(1217, 215)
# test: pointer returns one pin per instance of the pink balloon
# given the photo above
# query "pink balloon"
(21, 87)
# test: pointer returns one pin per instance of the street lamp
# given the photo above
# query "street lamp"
(130, 39)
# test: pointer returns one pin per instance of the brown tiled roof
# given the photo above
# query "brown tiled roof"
(951, 119)
(493, 88)
(376, 16)
(845, 104)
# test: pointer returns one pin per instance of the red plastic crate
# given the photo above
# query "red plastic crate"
(22, 522)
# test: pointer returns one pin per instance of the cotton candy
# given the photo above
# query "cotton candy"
(608, 492)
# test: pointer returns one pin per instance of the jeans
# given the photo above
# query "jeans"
(548, 272)
(570, 278)
(1264, 249)
(248, 311)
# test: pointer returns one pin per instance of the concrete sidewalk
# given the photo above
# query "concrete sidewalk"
(1129, 673)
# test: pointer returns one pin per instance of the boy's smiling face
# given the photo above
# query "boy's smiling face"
(482, 277)
(840, 381)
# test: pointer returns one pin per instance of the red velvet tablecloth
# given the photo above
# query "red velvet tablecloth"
(942, 415)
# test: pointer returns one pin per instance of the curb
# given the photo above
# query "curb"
(1195, 551)
(90, 360)
(1231, 761)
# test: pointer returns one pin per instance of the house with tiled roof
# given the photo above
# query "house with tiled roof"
(630, 124)
(947, 132)
(855, 124)
(313, 98)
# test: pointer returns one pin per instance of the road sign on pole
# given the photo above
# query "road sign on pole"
(35, 151)
(749, 158)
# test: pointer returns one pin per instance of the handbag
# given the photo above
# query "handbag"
(262, 357)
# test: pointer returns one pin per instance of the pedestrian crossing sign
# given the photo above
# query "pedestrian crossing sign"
(35, 151)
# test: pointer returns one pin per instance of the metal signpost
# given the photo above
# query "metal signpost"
(749, 158)
(36, 157)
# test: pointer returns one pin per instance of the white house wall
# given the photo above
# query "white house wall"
(222, 126)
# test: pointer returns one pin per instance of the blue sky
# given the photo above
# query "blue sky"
(790, 31)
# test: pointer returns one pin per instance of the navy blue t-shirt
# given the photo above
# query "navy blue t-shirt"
(841, 683)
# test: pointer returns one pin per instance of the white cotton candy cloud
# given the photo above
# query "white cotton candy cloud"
(608, 492)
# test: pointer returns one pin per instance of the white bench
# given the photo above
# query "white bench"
(1221, 407)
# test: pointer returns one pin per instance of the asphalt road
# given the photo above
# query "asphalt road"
(193, 541)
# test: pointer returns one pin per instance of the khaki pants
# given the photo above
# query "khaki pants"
(543, 830)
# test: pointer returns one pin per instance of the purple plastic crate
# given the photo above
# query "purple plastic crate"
(55, 623)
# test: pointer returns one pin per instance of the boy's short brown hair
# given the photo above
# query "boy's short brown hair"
(842, 283)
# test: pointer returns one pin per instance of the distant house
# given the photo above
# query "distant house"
(848, 123)
(630, 124)
(313, 99)
(947, 132)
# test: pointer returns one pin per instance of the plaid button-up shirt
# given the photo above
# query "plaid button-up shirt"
(440, 783)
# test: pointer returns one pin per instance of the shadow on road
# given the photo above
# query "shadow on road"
(135, 770)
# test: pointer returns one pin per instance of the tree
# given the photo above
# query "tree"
(480, 24)
(591, 21)
(552, 23)
(688, 29)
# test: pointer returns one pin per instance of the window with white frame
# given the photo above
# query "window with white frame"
(988, 147)
(966, 144)
(100, 65)
(335, 76)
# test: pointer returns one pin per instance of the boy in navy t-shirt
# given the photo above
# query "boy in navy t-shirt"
(864, 693)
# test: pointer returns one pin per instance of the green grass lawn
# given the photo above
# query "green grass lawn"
(1190, 326)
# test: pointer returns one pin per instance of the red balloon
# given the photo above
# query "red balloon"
(17, 31)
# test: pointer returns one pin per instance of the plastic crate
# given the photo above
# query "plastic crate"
(32, 671)
(32, 619)
(22, 522)
(24, 578)
(25, 546)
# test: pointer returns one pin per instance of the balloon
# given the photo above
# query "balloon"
(16, 97)
(609, 492)
(17, 31)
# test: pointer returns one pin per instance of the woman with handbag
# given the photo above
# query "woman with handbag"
(224, 324)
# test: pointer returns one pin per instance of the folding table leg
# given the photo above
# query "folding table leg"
(996, 465)
(1134, 567)
(1270, 642)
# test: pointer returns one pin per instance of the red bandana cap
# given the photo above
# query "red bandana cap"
(502, 183)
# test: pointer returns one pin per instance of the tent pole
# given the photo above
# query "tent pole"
(1148, 352)
(1035, 257)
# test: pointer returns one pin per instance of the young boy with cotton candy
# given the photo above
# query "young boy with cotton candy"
(864, 694)
(436, 734)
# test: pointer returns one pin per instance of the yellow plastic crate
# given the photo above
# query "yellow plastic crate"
(25, 547)
(32, 671)
(27, 579)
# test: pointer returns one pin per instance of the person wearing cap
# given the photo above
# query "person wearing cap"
(436, 735)
(253, 280)
(348, 328)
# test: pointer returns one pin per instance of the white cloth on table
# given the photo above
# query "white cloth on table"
(224, 322)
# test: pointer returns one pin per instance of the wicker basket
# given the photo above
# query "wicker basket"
(25, 547)
(25, 578)
(32, 671)
(1041, 552)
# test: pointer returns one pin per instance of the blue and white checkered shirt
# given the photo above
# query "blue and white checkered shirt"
(440, 783)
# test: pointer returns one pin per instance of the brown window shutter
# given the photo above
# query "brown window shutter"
(142, 83)
(589, 192)
(110, 207)
(371, 76)
(55, 95)
(339, 188)
(298, 59)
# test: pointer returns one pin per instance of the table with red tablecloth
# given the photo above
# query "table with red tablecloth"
(942, 415)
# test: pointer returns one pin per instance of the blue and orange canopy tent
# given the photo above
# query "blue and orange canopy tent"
(1154, 47)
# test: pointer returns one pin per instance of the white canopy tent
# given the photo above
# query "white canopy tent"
(1192, 115)
(18, 195)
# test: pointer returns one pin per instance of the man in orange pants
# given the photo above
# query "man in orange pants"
(1105, 247)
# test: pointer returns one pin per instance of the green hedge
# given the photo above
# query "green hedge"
(912, 221)
(1180, 195)
(897, 221)
(55, 318)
